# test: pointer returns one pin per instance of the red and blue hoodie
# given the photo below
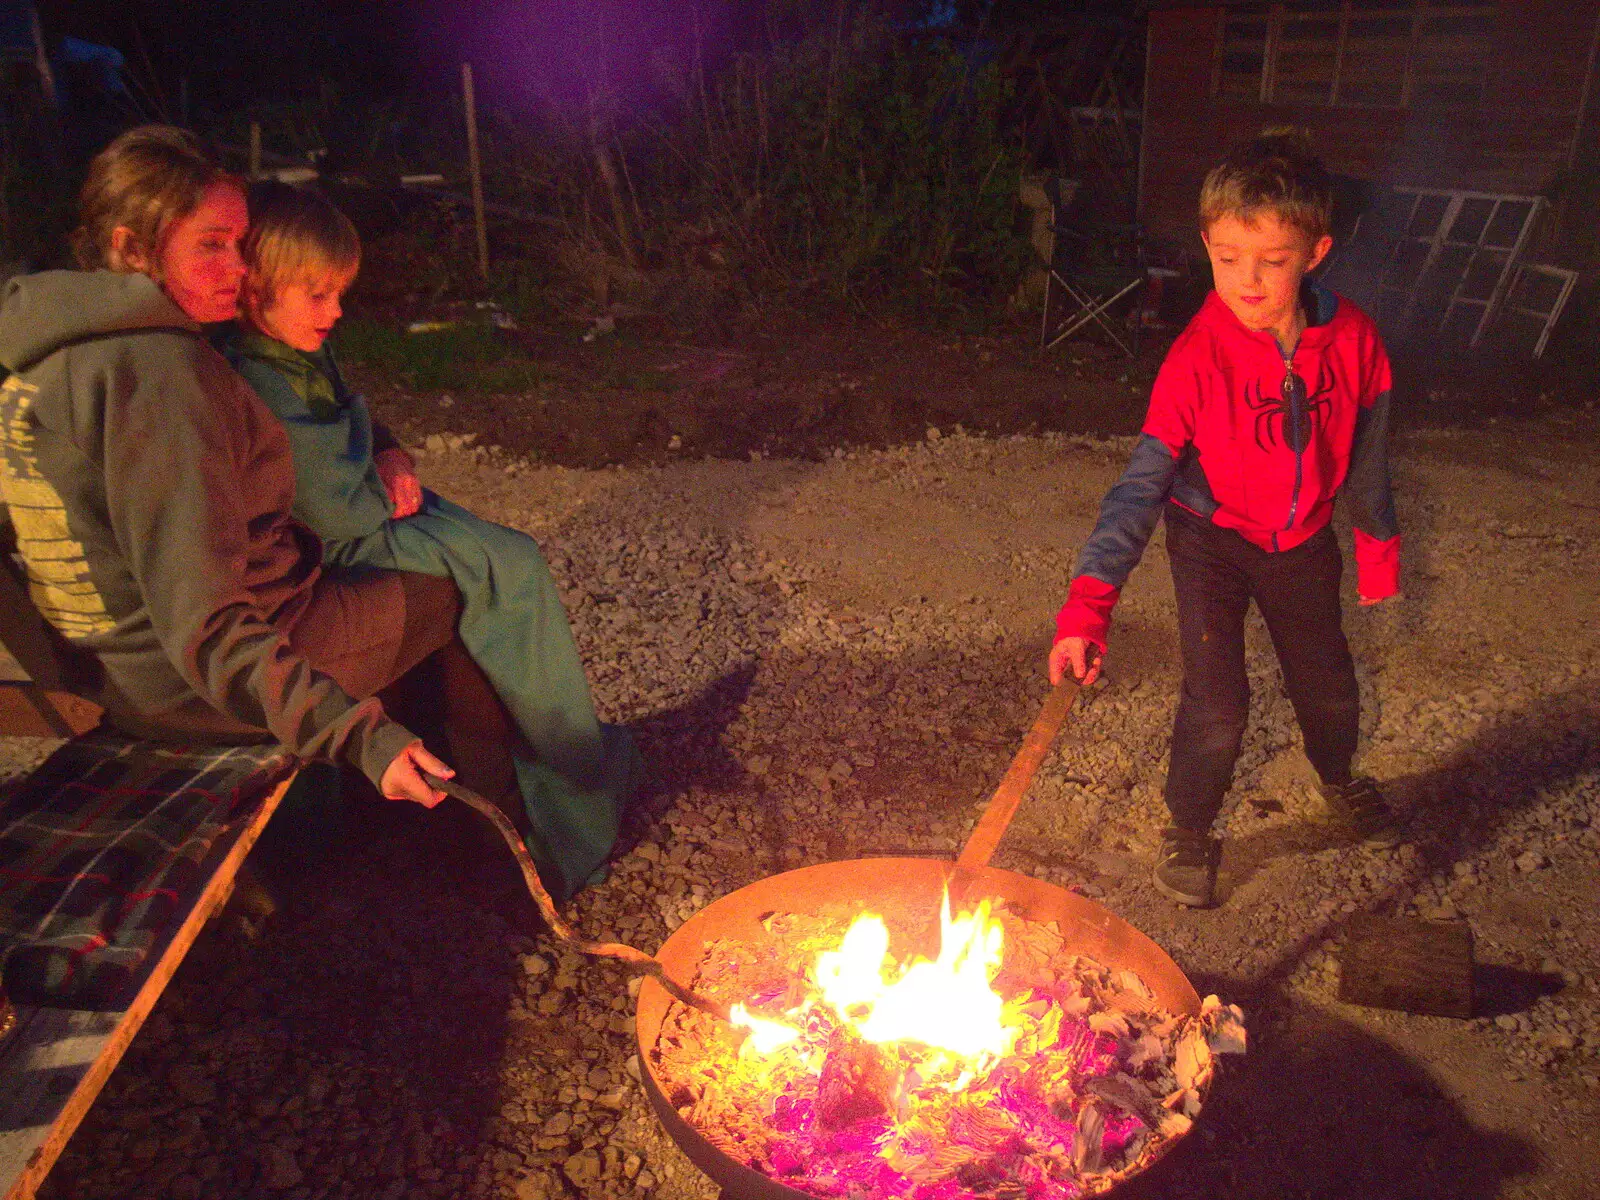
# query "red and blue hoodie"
(1225, 440)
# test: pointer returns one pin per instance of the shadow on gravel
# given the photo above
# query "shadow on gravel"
(1323, 1110)
(1326, 1110)
(1464, 803)
(1243, 857)
(1458, 809)
(1497, 989)
(682, 746)
(386, 976)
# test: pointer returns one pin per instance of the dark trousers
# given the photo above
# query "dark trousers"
(1216, 573)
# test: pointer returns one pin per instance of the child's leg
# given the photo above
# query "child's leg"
(513, 622)
(582, 774)
(1297, 592)
(1213, 596)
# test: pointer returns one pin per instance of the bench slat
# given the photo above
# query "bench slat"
(30, 711)
(57, 1060)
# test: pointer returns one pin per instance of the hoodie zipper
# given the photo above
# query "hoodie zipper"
(1293, 417)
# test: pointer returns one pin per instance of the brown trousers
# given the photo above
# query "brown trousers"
(392, 634)
(417, 666)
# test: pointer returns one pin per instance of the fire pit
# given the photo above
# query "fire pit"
(1056, 1068)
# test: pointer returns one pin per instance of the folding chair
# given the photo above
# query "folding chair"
(1076, 281)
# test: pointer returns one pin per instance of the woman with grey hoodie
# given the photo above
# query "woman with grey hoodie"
(150, 492)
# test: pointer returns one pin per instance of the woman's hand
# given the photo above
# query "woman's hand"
(402, 778)
(1078, 653)
(399, 475)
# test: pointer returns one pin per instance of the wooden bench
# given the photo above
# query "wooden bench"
(55, 1060)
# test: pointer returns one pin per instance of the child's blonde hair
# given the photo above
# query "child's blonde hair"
(145, 181)
(295, 235)
(1275, 173)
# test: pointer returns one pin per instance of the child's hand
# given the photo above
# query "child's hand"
(1078, 653)
(399, 477)
(1369, 601)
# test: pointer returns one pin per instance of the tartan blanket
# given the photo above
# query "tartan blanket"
(104, 848)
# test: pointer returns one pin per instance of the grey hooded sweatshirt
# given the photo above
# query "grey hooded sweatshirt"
(150, 491)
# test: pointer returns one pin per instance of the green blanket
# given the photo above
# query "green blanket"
(513, 622)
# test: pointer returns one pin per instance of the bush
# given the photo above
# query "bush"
(870, 164)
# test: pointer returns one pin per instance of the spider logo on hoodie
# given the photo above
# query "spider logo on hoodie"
(1290, 419)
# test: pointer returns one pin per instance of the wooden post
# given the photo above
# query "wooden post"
(255, 149)
(476, 168)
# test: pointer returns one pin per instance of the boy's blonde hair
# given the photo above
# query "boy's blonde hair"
(145, 181)
(295, 235)
(1275, 173)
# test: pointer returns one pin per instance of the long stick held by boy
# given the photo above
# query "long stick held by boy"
(1274, 400)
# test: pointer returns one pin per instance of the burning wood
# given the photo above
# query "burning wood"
(856, 1081)
(1005, 1066)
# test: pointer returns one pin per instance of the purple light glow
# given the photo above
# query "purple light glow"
(579, 58)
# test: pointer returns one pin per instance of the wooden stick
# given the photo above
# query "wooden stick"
(997, 816)
(476, 167)
(255, 149)
(636, 961)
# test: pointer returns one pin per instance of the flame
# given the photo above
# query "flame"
(946, 1004)
(766, 1037)
(853, 974)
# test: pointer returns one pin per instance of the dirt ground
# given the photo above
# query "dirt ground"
(832, 652)
(789, 385)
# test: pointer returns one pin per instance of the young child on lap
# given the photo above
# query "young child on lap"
(357, 489)
(1274, 399)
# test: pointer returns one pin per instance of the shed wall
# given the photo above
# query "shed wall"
(1519, 140)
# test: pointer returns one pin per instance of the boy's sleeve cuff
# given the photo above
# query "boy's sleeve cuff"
(1087, 612)
(1377, 566)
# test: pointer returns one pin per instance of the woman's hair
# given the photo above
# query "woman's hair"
(295, 234)
(1275, 173)
(146, 181)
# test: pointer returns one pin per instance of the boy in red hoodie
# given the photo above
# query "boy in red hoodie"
(1273, 400)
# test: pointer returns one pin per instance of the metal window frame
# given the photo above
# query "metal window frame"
(1439, 239)
(1569, 280)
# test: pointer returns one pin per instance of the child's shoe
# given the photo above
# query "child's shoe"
(1360, 807)
(1186, 869)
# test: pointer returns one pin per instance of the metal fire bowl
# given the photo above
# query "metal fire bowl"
(1086, 927)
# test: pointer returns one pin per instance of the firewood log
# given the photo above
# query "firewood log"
(1413, 966)
(856, 1081)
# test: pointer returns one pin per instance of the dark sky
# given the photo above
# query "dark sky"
(234, 52)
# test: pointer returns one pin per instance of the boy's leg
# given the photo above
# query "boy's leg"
(1297, 592)
(1298, 595)
(1213, 596)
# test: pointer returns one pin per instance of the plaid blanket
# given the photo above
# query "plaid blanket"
(104, 848)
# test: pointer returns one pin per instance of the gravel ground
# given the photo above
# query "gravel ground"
(836, 659)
